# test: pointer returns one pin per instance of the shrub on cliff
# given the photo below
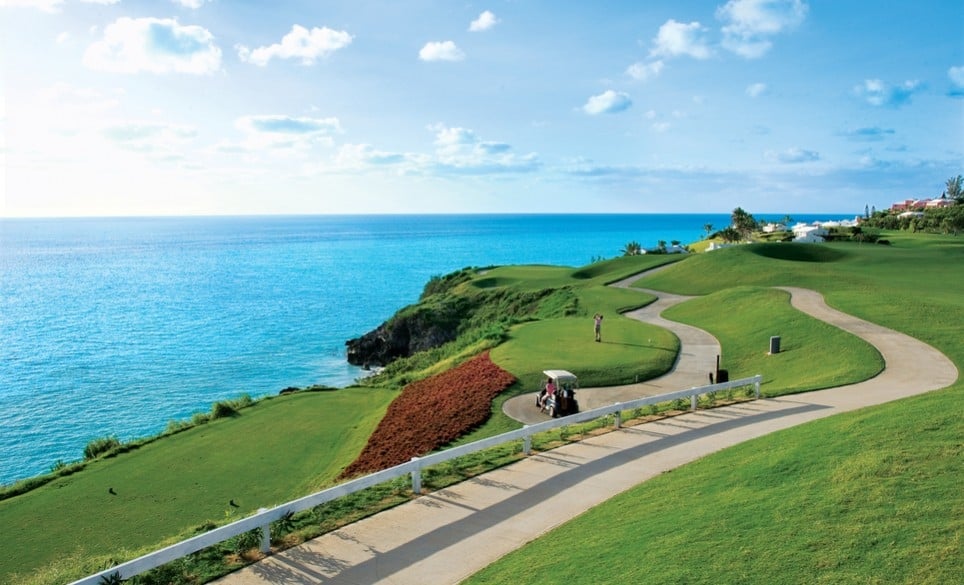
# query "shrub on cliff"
(101, 446)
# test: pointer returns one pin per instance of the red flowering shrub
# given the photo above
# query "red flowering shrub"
(431, 413)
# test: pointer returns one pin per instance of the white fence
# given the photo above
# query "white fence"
(263, 518)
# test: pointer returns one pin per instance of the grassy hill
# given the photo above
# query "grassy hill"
(867, 497)
(306, 439)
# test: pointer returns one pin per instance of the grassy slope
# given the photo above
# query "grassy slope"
(854, 277)
(751, 315)
(880, 504)
(867, 497)
(275, 451)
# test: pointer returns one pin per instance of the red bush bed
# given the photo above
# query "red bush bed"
(431, 413)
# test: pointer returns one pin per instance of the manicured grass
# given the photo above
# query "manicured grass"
(277, 450)
(914, 286)
(744, 318)
(629, 350)
(603, 272)
(869, 497)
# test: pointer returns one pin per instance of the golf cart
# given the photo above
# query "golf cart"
(562, 400)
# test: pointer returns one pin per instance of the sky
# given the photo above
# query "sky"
(238, 107)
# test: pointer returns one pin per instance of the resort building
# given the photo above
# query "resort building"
(921, 204)
(807, 233)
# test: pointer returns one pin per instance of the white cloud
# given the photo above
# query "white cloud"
(155, 45)
(361, 156)
(155, 138)
(750, 23)
(458, 151)
(286, 132)
(869, 133)
(793, 155)
(63, 38)
(77, 102)
(675, 39)
(485, 21)
(878, 93)
(956, 75)
(104, 2)
(300, 43)
(452, 139)
(645, 71)
(44, 5)
(756, 89)
(608, 102)
(195, 4)
(441, 51)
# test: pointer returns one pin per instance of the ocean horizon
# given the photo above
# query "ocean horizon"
(114, 326)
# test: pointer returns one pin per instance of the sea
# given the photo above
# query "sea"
(116, 326)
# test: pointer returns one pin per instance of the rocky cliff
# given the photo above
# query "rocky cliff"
(416, 329)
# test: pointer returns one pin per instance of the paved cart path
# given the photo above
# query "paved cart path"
(696, 359)
(443, 537)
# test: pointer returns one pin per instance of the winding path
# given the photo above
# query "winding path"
(445, 536)
(696, 359)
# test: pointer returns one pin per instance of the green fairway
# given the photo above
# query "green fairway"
(867, 497)
(630, 350)
(272, 452)
(744, 318)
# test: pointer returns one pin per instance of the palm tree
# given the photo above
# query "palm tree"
(708, 228)
(632, 249)
(743, 222)
(954, 185)
(730, 234)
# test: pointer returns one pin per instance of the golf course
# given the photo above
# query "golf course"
(871, 496)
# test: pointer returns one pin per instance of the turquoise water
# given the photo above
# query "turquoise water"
(116, 326)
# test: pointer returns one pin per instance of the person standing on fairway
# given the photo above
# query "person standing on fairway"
(597, 325)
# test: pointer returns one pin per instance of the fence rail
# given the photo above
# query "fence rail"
(264, 517)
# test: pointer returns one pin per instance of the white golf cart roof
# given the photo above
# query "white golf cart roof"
(560, 375)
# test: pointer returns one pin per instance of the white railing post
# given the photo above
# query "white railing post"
(527, 443)
(265, 534)
(694, 400)
(416, 478)
(757, 385)
(618, 417)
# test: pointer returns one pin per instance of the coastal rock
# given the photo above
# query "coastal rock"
(402, 336)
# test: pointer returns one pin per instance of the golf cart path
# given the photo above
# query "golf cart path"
(445, 536)
(695, 361)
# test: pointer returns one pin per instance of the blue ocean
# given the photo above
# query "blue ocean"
(117, 326)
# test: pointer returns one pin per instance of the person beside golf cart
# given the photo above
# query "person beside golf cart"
(548, 391)
(562, 399)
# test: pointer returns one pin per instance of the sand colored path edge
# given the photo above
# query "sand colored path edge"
(445, 536)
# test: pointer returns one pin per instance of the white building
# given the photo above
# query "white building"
(772, 228)
(806, 233)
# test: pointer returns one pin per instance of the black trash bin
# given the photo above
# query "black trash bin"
(775, 345)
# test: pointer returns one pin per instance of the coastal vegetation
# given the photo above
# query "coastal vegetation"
(289, 445)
